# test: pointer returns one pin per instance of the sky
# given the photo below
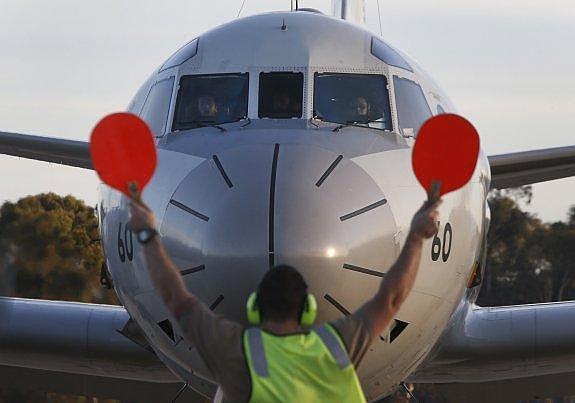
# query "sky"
(507, 65)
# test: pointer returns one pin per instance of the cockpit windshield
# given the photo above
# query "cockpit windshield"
(355, 99)
(211, 99)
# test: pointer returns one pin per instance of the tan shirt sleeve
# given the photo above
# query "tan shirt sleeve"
(219, 343)
(355, 332)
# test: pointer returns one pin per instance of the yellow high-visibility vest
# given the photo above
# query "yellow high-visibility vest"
(300, 368)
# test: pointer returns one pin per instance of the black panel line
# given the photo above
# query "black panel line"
(192, 270)
(272, 206)
(222, 171)
(336, 304)
(189, 210)
(329, 171)
(167, 328)
(215, 304)
(363, 210)
(363, 270)
(340, 307)
(397, 329)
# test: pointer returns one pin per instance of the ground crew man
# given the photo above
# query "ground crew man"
(282, 360)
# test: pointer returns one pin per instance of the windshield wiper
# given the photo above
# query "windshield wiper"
(203, 123)
(357, 124)
(350, 123)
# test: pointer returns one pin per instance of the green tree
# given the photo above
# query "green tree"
(513, 258)
(527, 261)
(52, 243)
(559, 251)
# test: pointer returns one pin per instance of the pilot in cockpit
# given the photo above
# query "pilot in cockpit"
(361, 110)
(281, 101)
(282, 105)
(207, 107)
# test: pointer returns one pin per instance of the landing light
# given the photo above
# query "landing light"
(330, 252)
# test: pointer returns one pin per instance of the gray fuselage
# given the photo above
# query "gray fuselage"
(335, 204)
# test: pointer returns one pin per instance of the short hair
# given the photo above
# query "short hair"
(281, 294)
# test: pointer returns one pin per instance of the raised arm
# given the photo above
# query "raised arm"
(398, 281)
(165, 275)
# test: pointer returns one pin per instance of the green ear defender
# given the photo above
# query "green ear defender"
(309, 311)
(252, 310)
(307, 317)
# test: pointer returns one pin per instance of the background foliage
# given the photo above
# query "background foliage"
(50, 249)
(527, 261)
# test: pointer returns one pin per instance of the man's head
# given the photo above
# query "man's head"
(207, 106)
(362, 107)
(281, 102)
(281, 294)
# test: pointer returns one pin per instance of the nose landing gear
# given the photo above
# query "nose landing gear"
(105, 279)
(408, 391)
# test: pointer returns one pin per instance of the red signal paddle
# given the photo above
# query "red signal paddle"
(123, 153)
(445, 154)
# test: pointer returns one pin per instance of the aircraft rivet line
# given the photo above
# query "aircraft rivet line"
(363, 270)
(336, 304)
(215, 304)
(222, 171)
(271, 246)
(363, 210)
(189, 210)
(329, 171)
(193, 270)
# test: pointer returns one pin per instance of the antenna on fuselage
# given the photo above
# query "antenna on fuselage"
(379, 18)
(241, 8)
(351, 10)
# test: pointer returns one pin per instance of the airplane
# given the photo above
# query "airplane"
(286, 137)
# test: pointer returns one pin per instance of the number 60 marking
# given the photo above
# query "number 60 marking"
(125, 246)
(442, 248)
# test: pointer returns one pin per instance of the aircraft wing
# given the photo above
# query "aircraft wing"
(86, 349)
(507, 170)
(81, 349)
(75, 338)
(524, 168)
(504, 345)
(61, 151)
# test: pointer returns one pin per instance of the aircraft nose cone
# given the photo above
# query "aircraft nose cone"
(250, 207)
(216, 226)
(333, 223)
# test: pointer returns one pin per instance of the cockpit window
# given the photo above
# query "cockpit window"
(157, 105)
(281, 95)
(186, 52)
(361, 99)
(211, 99)
(412, 107)
(388, 55)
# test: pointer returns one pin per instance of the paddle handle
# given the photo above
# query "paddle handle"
(135, 193)
(433, 192)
